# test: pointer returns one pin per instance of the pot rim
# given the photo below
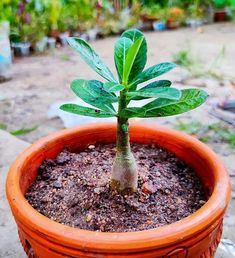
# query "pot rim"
(119, 242)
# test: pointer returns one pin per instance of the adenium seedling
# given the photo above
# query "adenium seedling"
(130, 56)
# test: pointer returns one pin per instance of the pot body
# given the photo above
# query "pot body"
(196, 236)
(159, 26)
(220, 15)
(63, 38)
(41, 45)
(194, 23)
(172, 24)
(21, 49)
(51, 43)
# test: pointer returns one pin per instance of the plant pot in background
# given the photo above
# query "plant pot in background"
(63, 38)
(147, 22)
(21, 49)
(92, 34)
(51, 42)
(41, 45)
(84, 36)
(146, 26)
(197, 235)
(172, 24)
(194, 23)
(220, 15)
(159, 26)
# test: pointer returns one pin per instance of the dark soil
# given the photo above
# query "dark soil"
(74, 190)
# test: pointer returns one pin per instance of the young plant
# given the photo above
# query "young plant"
(130, 56)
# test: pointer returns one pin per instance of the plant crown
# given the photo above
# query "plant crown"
(130, 56)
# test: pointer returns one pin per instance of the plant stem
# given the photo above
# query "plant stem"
(124, 172)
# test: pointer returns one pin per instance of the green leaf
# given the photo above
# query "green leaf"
(133, 112)
(161, 92)
(85, 111)
(130, 59)
(190, 99)
(91, 58)
(153, 72)
(113, 86)
(152, 85)
(132, 34)
(141, 57)
(23, 131)
(93, 93)
(161, 102)
(160, 83)
(120, 52)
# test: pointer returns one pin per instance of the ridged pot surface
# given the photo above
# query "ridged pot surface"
(196, 236)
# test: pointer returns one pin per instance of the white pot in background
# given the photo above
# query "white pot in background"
(21, 48)
(41, 45)
(194, 23)
(51, 43)
(63, 38)
(5, 51)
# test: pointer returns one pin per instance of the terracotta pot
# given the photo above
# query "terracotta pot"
(172, 24)
(194, 236)
(220, 15)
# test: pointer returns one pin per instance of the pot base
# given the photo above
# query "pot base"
(187, 251)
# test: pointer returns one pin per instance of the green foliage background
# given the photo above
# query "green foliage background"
(40, 17)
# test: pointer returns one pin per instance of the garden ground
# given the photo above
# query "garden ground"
(39, 81)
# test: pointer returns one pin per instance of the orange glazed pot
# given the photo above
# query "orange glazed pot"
(196, 236)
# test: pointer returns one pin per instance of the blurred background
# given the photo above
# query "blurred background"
(33, 24)
(37, 66)
(197, 35)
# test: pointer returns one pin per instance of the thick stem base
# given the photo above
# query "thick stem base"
(124, 173)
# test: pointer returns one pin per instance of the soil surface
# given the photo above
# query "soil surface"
(74, 190)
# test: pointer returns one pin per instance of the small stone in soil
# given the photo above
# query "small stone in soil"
(149, 187)
(57, 184)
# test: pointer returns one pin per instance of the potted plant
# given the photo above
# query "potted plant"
(41, 44)
(220, 12)
(176, 16)
(23, 29)
(38, 36)
(149, 14)
(196, 14)
(118, 198)
(22, 45)
(160, 25)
